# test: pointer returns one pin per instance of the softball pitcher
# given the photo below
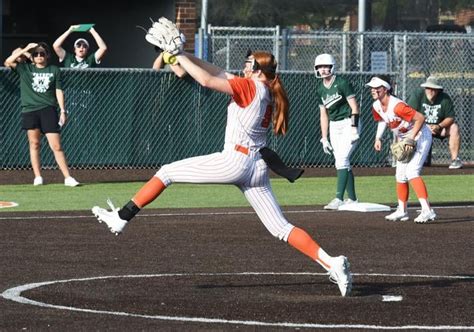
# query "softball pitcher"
(339, 113)
(258, 100)
(405, 122)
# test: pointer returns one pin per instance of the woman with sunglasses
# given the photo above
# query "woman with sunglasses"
(257, 101)
(41, 93)
(81, 57)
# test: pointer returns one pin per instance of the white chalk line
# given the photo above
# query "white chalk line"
(14, 294)
(198, 214)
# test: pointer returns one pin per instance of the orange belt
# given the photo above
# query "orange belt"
(241, 149)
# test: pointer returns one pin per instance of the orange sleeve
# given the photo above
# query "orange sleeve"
(376, 115)
(404, 111)
(244, 90)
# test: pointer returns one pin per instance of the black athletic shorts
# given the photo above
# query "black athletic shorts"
(45, 119)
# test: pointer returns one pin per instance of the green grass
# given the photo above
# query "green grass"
(306, 191)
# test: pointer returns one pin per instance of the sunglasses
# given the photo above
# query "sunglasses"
(37, 54)
(79, 45)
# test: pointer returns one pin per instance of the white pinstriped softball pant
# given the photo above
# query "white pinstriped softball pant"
(340, 135)
(248, 172)
(407, 171)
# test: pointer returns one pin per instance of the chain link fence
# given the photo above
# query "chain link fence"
(409, 58)
(140, 118)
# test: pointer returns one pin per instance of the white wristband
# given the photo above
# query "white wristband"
(380, 129)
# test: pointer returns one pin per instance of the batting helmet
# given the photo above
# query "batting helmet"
(324, 60)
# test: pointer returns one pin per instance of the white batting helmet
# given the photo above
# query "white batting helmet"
(324, 60)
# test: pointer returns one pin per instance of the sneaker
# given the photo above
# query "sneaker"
(340, 274)
(350, 201)
(425, 216)
(456, 164)
(71, 182)
(334, 204)
(111, 218)
(399, 214)
(38, 181)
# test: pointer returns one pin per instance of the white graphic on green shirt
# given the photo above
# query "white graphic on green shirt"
(79, 65)
(431, 112)
(331, 99)
(41, 82)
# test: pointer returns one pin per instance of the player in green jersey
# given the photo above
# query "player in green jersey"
(339, 113)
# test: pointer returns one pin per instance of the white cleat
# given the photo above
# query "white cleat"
(425, 216)
(111, 218)
(350, 201)
(334, 204)
(340, 274)
(38, 181)
(71, 182)
(398, 215)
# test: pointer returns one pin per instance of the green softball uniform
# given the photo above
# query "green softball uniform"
(435, 112)
(334, 98)
(38, 86)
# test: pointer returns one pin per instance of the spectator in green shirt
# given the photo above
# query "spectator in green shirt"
(81, 57)
(438, 109)
(41, 94)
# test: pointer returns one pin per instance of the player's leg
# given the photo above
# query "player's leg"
(413, 174)
(402, 190)
(350, 186)
(336, 131)
(54, 142)
(351, 146)
(34, 142)
(223, 168)
(452, 132)
(260, 195)
(343, 148)
(49, 126)
(31, 123)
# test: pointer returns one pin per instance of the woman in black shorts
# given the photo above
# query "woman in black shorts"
(41, 93)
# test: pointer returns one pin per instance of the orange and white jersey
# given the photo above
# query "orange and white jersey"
(249, 114)
(398, 116)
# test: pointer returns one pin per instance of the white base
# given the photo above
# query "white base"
(364, 207)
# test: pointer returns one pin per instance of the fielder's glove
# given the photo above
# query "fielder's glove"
(404, 150)
(326, 145)
(354, 134)
(166, 36)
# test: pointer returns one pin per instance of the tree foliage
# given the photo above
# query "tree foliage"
(277, 12)
(320, 14)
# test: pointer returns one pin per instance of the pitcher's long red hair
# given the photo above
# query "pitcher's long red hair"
(267, 64)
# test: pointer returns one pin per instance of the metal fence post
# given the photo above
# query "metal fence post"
(344, 53)
(404, 68)
(284, 49)
(227, 53)
(276, 45)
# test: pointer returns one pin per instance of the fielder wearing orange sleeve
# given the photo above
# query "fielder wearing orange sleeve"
(404, 122)
(258, 102)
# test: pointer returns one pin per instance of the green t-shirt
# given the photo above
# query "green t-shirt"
(38, 86)
(70, 61)
(434, 112)
(334, 98)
